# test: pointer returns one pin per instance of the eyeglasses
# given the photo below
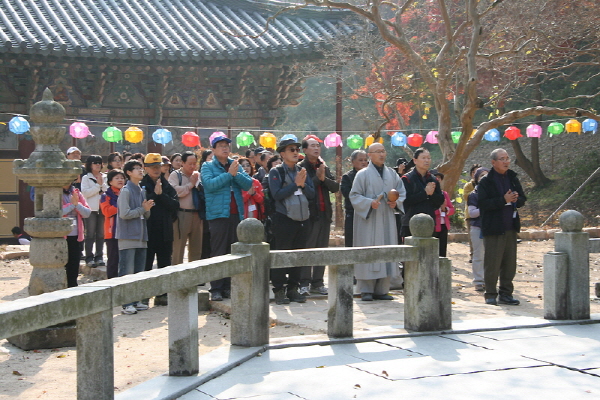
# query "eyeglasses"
(504, 159)
(293, 149)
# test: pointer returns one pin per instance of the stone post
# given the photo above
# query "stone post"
(340, 317)
(183, 332)
(95, 357)
(566, 271)
(47, 170)
(427, 281)
(250, 291)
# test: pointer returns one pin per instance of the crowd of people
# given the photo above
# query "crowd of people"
(152, 207)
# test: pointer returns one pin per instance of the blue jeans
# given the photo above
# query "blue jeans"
(131, 261)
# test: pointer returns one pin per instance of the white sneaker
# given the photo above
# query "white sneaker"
(139, 306)
(129, 310)
(320, 290)
(304, 291)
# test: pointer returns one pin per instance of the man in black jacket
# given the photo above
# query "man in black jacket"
(160, 222)
(500, 194)
(359, 160)
(321, 212)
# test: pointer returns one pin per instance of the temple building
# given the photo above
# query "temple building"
(183, 65)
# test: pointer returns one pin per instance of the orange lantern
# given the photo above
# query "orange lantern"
(268, 140)
(134, 134)
(370, 139)
(512, 133)
(190, 139)
(573, 126)
(415, 140)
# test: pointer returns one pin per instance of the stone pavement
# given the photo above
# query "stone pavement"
(492, 356)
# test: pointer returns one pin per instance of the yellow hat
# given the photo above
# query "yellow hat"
(152, 159)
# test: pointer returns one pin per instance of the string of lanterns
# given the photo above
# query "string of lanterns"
(134, 134)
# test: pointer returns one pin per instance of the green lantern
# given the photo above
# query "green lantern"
(112, 134)
(354, 141)
(244, 139)
(556, 128)
(455, 136)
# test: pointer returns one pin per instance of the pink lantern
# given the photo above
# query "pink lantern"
(216, 134)
(79, 130)
(512, 133)
(534, 130)
(431, 137)
(333, 140)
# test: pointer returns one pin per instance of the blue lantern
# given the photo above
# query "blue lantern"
(18, 125)
(590, 125)
(493, 135)
(399, 139)
(289, 136)
(162, 136)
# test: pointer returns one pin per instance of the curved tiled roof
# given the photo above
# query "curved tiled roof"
(176, 30)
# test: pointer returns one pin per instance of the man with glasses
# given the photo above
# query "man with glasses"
(375, 222)
(160, 222)
(289, 186)
(223, 179)
(499, 195)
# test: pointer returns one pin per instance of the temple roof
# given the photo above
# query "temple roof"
(174, 30)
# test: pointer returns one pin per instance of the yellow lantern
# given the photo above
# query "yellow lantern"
(134, 134)
(573, 126)
(370, 139)
(268, 140)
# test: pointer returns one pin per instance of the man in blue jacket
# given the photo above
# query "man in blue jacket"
(223, 180)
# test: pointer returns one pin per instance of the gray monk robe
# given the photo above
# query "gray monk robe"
(375, 227)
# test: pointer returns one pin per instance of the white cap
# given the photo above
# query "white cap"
(72, 150)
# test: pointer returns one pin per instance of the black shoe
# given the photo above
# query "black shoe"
(100, 263)
(280, 296)
(293, 295)
(227, 293)
(382, 297)
(216, 296)
(366, 296)
(491, 301)
(508, 300)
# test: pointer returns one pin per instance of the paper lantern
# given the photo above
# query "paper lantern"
(134, 134)
(573, 126)
(415, 140)
(162, 136)
(431, 137)
(289, 136)
(456, 136)
(268, 140)
(493, 135)
(79, 130)
(399, 139)
(534, 130)
(370, 139)
(244, 139)
(333, 140)
(590, 125)
(555, 128)
(313, 137)
(112, 134)
(18, 125)
(190, 139)
(512, 133)
(354, 141)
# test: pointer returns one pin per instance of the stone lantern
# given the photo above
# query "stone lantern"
(47, 170)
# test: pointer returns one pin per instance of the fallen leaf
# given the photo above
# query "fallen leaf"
(61, 356)
(17, 373)
(321, 366)
(357, 386)
(384, 373)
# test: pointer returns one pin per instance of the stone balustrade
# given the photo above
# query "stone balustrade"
(91, 305)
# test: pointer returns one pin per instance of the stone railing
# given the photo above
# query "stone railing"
(427, 297)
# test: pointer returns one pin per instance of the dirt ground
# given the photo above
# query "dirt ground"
(141, 342)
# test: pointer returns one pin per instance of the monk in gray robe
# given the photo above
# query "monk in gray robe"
(374, 222)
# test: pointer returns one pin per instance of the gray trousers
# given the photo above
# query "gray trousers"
(478, 252)
(318, 236)
(500, 262)
(379, 286)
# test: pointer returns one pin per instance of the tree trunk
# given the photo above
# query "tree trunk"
(531, 168)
